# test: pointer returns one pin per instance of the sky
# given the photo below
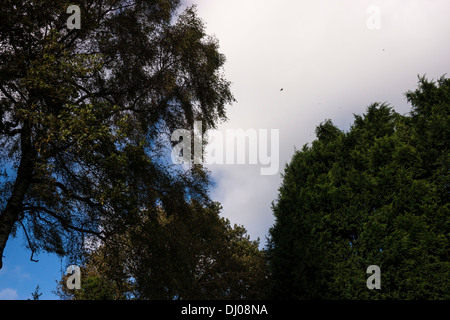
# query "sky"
(332, 58)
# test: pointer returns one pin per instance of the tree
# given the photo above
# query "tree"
(375, 195)
(85, 115)
(191, 255)
(36, 294)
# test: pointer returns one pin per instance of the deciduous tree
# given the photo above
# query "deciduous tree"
(85, 112)
(189, 255)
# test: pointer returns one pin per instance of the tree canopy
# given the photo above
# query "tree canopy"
(377, 194)
(192, 256)
(85, 115)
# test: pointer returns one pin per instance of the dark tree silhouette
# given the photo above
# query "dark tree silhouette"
(84, 113)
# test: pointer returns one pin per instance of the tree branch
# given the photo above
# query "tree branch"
(87, 200)
(10, 97)
(32, 248)
(64, 223)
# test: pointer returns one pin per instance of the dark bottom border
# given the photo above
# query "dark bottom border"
(224, 309)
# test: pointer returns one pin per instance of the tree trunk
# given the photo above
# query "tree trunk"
(10, 214)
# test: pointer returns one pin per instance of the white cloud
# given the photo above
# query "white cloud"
(8, 294)
(16, 273)
(20, 273)
(330, 65)
(246, 197)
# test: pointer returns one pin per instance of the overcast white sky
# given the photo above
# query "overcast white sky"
(330, 65)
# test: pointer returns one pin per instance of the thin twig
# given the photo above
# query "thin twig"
(32, 248)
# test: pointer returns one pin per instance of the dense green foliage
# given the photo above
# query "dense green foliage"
(375, 195)
(197, 255)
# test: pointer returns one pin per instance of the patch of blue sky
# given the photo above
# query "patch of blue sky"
(20, 276)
